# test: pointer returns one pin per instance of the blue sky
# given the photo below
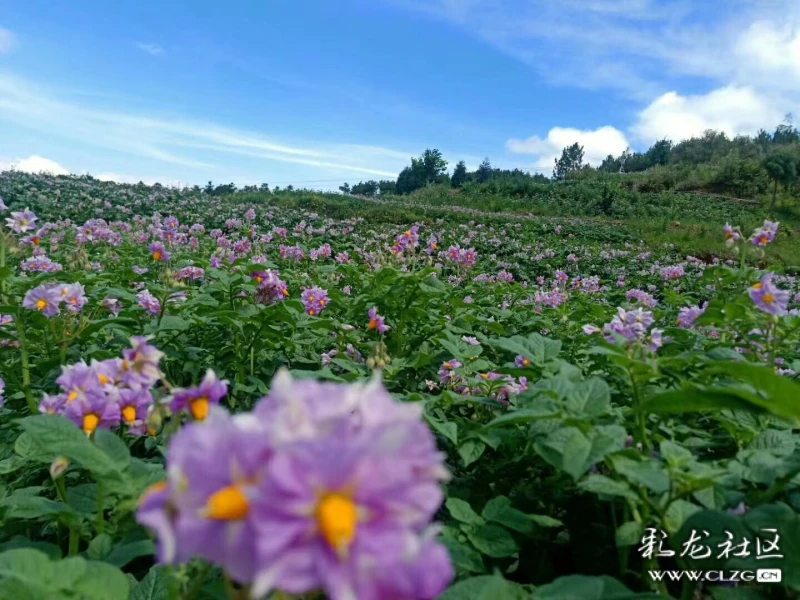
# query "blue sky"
(315, 93)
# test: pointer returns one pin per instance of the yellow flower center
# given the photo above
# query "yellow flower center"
(199, 408)
(323, 302)
(37, 241)
(259, 279)
(525, 362)
(129, 414)
(337, 518)
(728, 235)
(72, 395)
(757, 286)
(90, 423)
(103, 379)
(228, 504)
(769, 298)
(312, 312)
(373, 324)
(157, 255)
(285, 292)
(41, 304)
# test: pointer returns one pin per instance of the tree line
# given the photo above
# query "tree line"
(713, 161)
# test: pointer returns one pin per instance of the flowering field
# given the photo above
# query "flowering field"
(258, 396)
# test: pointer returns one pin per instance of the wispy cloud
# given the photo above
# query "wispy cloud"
(150, 47)
(8, 41)
(638, 47)
(189, 143)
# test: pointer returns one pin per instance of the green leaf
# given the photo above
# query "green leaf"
(536, 347)
(600, 484)
(581, 587)
(32, 507)
(446, 428)
(590, 398)
(493, 541)
(576, 453)
(500, 511)
(629, 534)
(113, 446)
(102, 581)
(158, 584)
(470, 451)
(485, 587)
(28, 570)
(645, 472)
(99, 547)
(545, 521)
(59, 437)
(173, 323)
(677, 513)
(525, 415)
(122, 554)
(462, 511)
(464, 556)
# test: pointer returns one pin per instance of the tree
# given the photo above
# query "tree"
(264, 187)
(365, 188)
(430, 167)
(571, 160)
(386, 186)
(659, 153)
(781, 166)
(484, 172)
(459, 175)
(432, 164)
(345, 189)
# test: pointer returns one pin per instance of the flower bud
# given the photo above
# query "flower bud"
(59, 466)
(153, 422)
(371, 362)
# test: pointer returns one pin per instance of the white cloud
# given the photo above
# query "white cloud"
(734, 110)
(770, 52)
(7, 41)
(36, 164)
(150, 47)
(597, 144)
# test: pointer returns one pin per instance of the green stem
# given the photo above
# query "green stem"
(26, 367)
(639, 415)
(74, 534)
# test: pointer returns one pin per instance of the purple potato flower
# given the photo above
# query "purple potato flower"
(93, 411)
(198, 400)
(315, 300)
(43, 298)
(159, 252)
(376, 322)
(22, 221)
(205, 508)
(768, 297)
(140, 363)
